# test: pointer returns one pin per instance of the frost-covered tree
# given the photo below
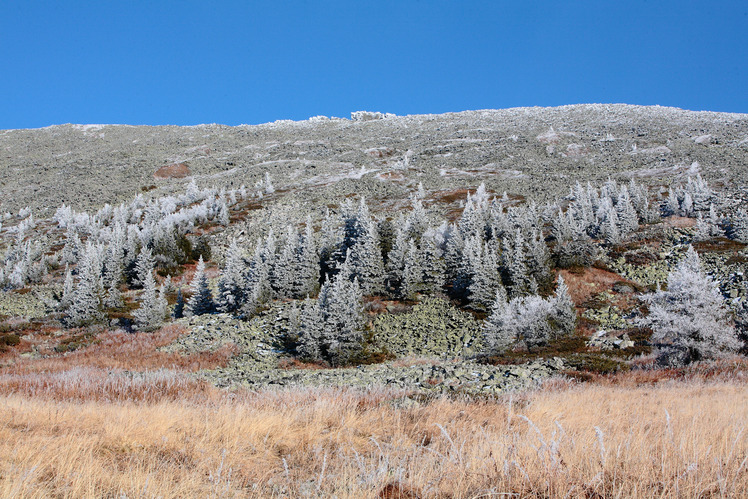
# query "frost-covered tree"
(364, 260)
(564, 315)
(86, 305)
(73, 247)
(340, 308)
(499, 332)
(739, 226)
(628, 220)
(708, 227)
(485, 279)
(230, 296)
(67, 289)
(152, 311)
(514, 264)
(689, 320)
(432, 263)
(143, 266)
(305, 279)
(311, 329)
(529, 320)
(201, 301)
(413, 273)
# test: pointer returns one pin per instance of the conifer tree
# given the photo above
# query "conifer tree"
(67, 289)
(671, 206)
(628, 221)
(285, 264)
(305, 280)
(690, 321)
(499, 329)
(516, 268)
(86, 304)
(433, 267)
(365, 261)
(178, 312)
(152, 310)
(201, 301)
(311, 328)
(412, 274)
(486, 279)
(231, 281)
(340, 302)
(143, 266)
(564, 315)
(739, 226)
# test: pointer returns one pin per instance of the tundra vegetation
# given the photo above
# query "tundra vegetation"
(457, 345)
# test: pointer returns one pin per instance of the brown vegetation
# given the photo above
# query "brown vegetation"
(176, 170)
(115, 350)
(672, 439)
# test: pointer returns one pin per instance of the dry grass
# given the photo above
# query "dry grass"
(118, 350)
(592, 281)
(673, 439)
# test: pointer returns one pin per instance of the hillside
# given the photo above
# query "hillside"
(536, 152)
(534, 302)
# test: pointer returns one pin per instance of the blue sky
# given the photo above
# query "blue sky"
(188, 62)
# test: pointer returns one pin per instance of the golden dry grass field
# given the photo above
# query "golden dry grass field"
(93, 432)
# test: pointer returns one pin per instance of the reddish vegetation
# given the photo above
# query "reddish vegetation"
(397, 490)
(393, 176)
(590, 282)
(176, 170)
(727, 369)
(381, 152)
(120, 350)
(680, 222)
(451, 196)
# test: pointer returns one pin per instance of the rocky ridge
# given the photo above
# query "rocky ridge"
(533, 152)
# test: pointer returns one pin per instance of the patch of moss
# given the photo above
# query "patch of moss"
(9, 340)
(595, 363)
(559, 347)
(75, 342)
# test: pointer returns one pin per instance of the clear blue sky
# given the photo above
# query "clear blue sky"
(188, 62)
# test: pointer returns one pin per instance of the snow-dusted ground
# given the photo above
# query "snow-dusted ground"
(531, 151)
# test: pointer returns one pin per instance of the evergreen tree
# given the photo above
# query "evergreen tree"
(67, 289)
(413, 273)
(340, 302)
(285, 264)
(152, 310)
(628, 221)
(306, 276)
(432, 263)
(178, 312)
(538, 260)
(514, 263)
(73, 248)
(739, 226)
(143, 266)
(396, 259)
(365, 261)
(671, 206)
(86, 305)
(201, 301)
(564, 314)
(231, 281)
(486, 279)
(689, 321)
(499, 329)
(311, 328)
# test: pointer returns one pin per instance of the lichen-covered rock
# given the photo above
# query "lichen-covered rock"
(432, 327)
